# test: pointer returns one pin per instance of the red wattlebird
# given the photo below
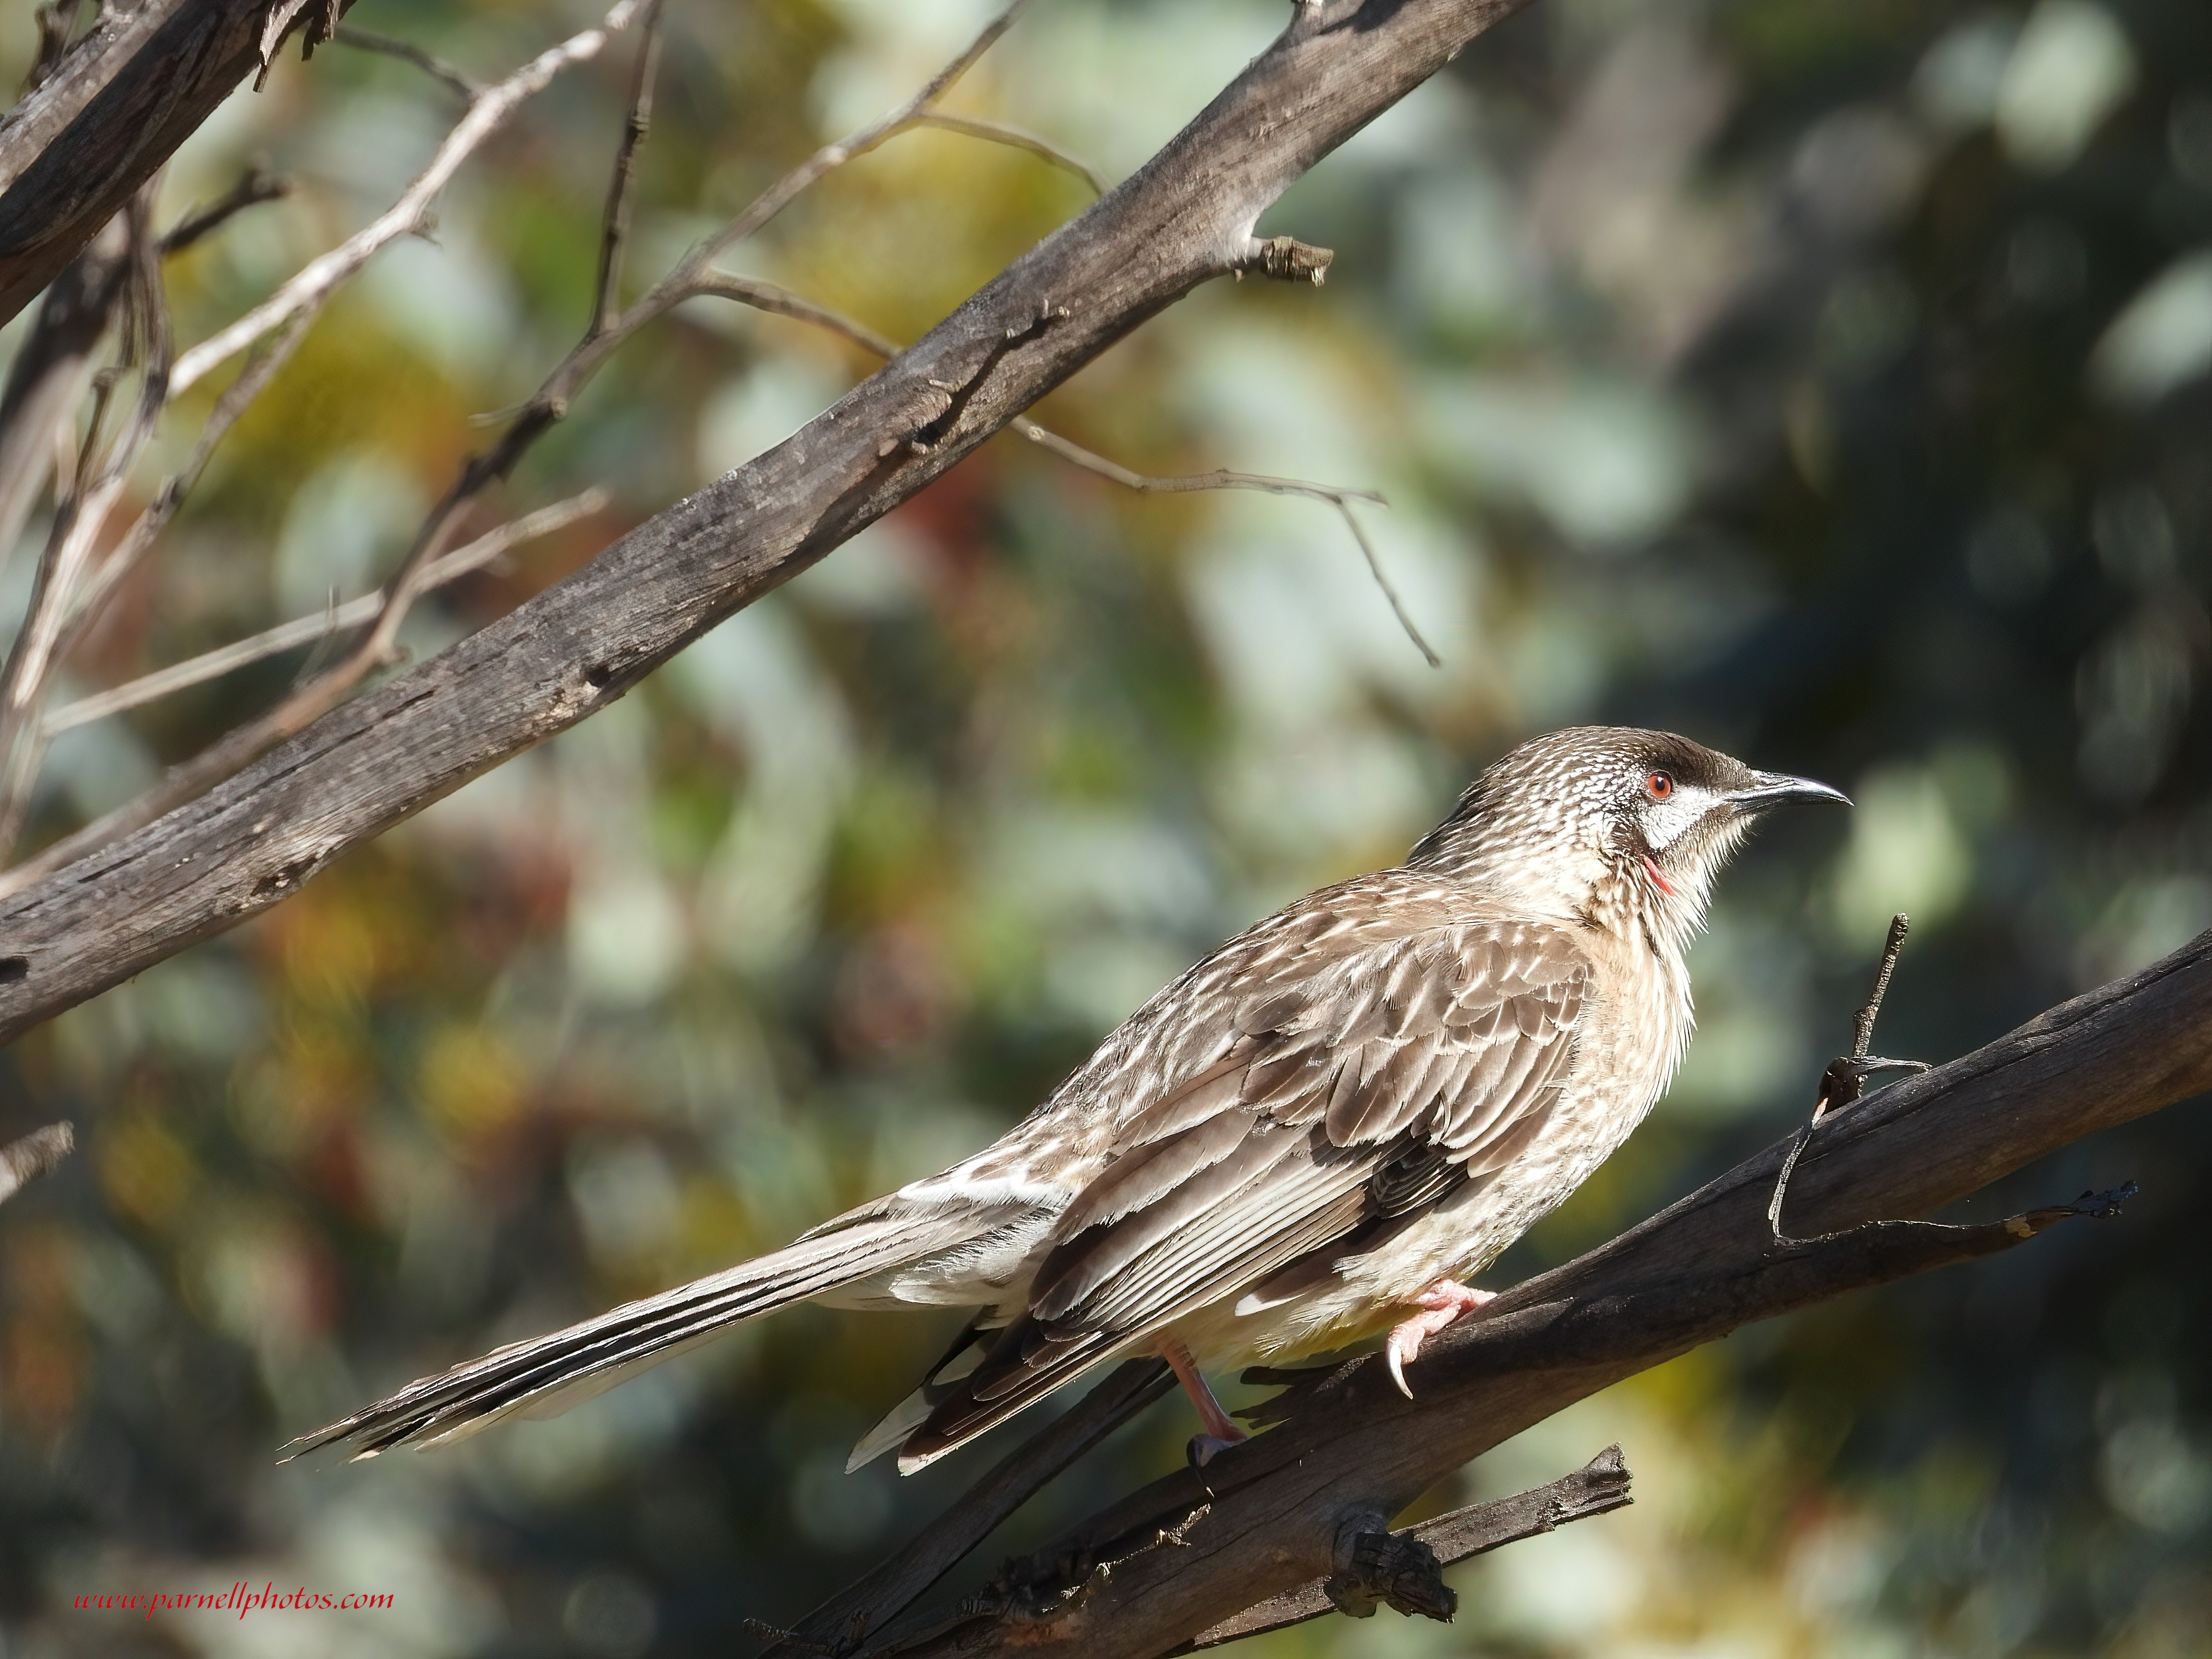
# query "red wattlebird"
(1315, 1135)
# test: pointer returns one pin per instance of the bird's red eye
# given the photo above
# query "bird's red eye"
(1659, 786)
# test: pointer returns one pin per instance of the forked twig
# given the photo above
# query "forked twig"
(840, 1624)
(1846, 1076)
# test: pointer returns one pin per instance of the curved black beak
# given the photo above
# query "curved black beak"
(1768, 789)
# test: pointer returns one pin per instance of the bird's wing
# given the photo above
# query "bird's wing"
(1394, 1073)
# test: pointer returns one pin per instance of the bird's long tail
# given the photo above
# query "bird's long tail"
(548, 1374)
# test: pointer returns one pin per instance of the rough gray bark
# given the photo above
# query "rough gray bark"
(1187, 216)
(1185, 1555)
(114, 109)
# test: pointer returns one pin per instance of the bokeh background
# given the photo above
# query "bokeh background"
(1825, 378)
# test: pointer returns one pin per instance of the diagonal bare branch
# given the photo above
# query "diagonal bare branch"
(1599, 1487)
(141, 80)
(882, 1595)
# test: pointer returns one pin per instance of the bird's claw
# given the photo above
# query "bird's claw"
(1440, 1305)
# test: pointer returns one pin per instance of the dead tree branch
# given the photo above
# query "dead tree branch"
(1183, 218)
(1266, 1517)
(850, 1616)
(121, 99)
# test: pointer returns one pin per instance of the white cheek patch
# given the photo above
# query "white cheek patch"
(1665, 821)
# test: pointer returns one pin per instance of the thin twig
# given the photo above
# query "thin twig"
(767, 296)
(305, 630)
(1004, 132)
(39, 1152)
(1863, 1026)
(461, 84)
(635, 125)
(783, 302)
(257, 185)
(1340, 499)
(487, 112)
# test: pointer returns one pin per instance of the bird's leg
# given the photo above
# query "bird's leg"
(1845, 1076)
(1222, 1430)
(1440, 1305)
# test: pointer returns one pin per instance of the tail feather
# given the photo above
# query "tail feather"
(548, 1374)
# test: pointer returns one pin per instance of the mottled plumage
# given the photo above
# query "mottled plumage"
(1365, 1097)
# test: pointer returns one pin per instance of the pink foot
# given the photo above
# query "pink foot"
(1441, 1303)
(1222, 1430)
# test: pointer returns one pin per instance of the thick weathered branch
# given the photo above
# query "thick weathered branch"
(121, 100)
(1186, 217)
(1347, 1443)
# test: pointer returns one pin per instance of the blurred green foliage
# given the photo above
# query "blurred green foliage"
(1828, 380)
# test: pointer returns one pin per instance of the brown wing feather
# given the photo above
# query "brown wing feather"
(1394, 1072)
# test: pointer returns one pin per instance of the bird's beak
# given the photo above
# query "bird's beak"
(1768, 789)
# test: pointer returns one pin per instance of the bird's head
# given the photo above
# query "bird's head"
(1609, 825)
